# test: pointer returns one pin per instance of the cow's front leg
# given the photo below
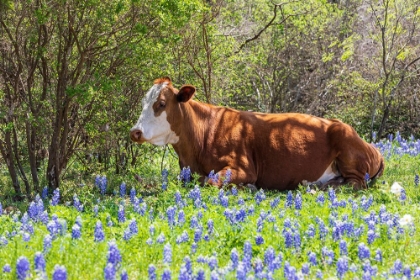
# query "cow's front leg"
(232, 176)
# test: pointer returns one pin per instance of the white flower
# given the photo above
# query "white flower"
(407, 220)
(396, 189)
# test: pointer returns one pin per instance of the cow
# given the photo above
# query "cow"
(269, 151)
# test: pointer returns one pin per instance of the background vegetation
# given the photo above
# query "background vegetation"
(72, 74)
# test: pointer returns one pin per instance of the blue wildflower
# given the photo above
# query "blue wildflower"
(312, 258)
(149, 241)
(234, 191)
(39, 262)
(197, 234)
(161, 238)
(342, 266)
(363, 251)
(123, 189)
(398, 267)
(127, 235)
(289, 200)
(121, 214)
(181, 217)
(378, 255)
(234, 257)
(47, 242)
(152, 272)
(56, 197)
(212, 262)
(44, 193)
(407, 272)
(166, 274)
(371, 235)
(305, 269)
(133, 194)
(343, 248)
(167, 253)
(320, 198)
(259, 239)
(75, 232)
(200, 275)
(210, 226)
(133, 226)
(22, 268)
(99, 233)
(185, 175)
(213, 176)
(298, 202)
(193, 222)
(170, 213)
(110, 271)
(228, 176)
(367, 178)
(96, 210)
(114, 255)
(275, 202)
(7, 268)
(60, 273)
(416, 180)
(124, 275)
(247, 250)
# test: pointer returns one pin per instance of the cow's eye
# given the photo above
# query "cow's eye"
(162, 104)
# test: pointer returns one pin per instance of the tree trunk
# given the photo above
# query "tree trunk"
(7, 153)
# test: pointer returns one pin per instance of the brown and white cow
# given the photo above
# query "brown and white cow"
(271, 151)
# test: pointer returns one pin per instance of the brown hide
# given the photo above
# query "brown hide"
(272, 151)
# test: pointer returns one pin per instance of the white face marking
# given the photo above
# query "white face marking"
(155, 130)
(325, 177)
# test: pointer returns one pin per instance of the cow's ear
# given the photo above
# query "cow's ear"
(185, 93)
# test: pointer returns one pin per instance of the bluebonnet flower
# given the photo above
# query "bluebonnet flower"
(363, 251)
(109, 222)
(312, 258)
(327, 254)
(298, 202)
(378, 255)
(149, 241)
(152, 272)
(371, 235)
(110, 271)
(60, 273)
(121, 214)
(416, 273)
(258, 267)
(101, 182)
(210, 226)
(26, 236)
(367, 178)
(305, 269)
(127, 235)
(323, 230)
(241, 201)
(228, 176)
(166, 274)
(124, 275)
(200, 275)
(96, 210)
(289, 200)
(342, 266)
(416, 180)
(188, 264)
(296, 239)
(32, 210)
(269, 259)
(241, 271)
(123, 189)
(133, 194)
(247, 250)
(331, 194)
(152, 230)
(75, 232)
(47, 242)
(310, 232)
(133, 226)
(193, 222)
(167, 253)
(181, 217)
(320, 198)
(319, 274)
(197, 234)
(170, 213)
(259, 239)
(398, 267)
(403, 195)
(39, 262)
(288, 238)
(213, 176)
(234, 257)
(22, 268)
(407, 272)
(161, 238)
(52, 228)
(185, 175)
(212, 262)
(275, 202)
(114, 255)
(184, 274)
(99, 233)
(366, 202)
(7, 268)
(56, 197)
(224, 201)
(343, 248)
(44, 193)
(234, 191)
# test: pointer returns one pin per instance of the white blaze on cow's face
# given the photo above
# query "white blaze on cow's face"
(153, 126)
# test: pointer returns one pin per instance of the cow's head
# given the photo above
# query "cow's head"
(161, 109)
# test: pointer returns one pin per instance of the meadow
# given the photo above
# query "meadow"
(175, 229)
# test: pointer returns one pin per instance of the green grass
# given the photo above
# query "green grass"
(86, 259)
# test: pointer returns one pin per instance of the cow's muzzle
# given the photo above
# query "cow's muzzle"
(135, 135)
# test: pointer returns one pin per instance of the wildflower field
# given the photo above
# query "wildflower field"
(179, 230)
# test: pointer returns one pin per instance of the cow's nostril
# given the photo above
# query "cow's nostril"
(135, 135)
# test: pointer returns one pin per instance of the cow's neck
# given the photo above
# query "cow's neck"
(197, 119)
